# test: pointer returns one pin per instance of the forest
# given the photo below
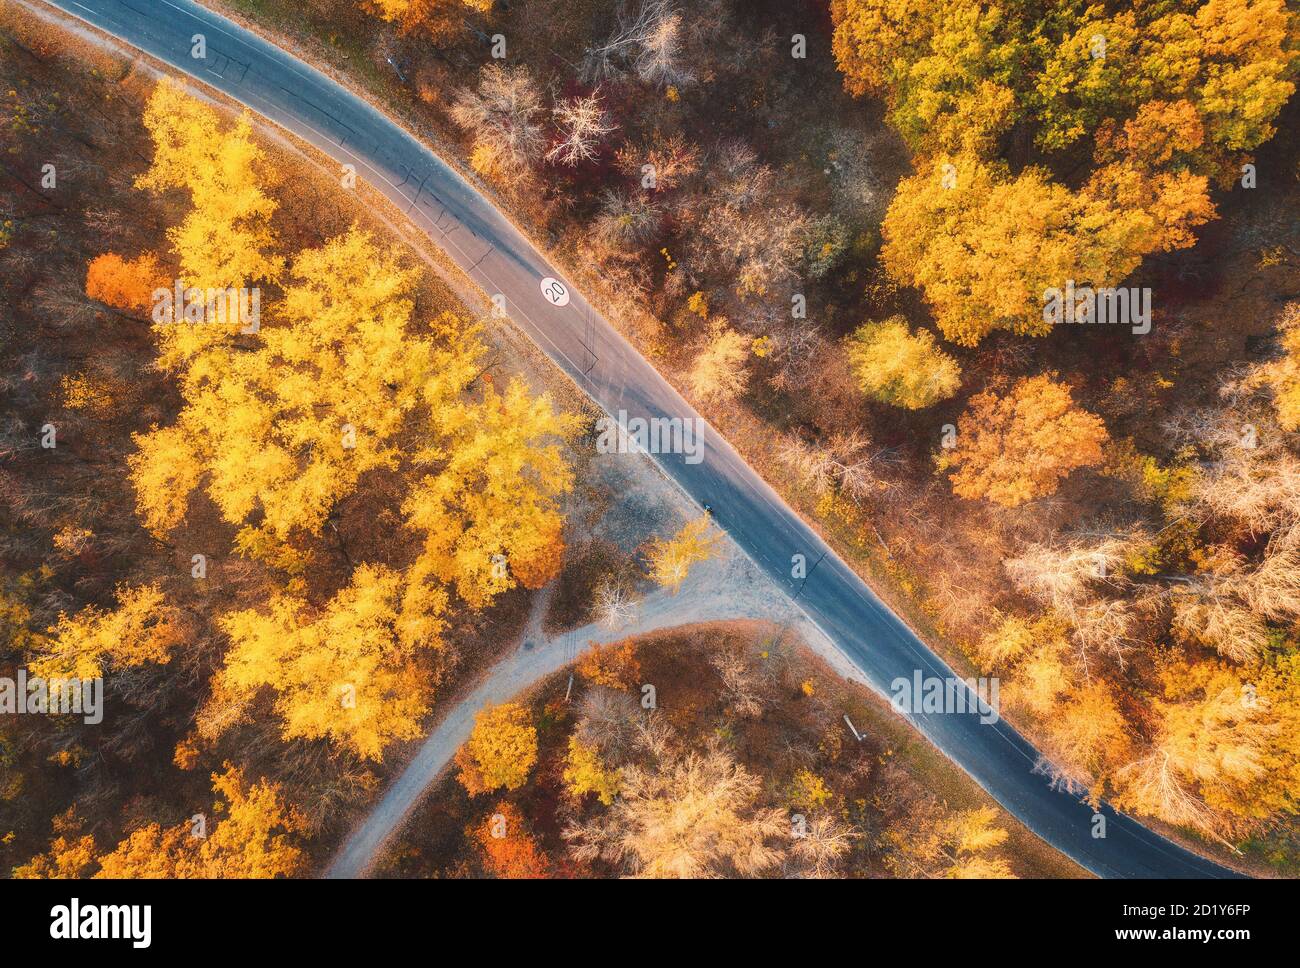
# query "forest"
(835, 228)
(1104, 518)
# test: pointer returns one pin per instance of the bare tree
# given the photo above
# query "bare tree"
(628, 221)
(1064, 575)
(1249, 484)
(648, 39)
(652, 735)
(744, 228)
(798, 345)
(502, 114)
(1105, 626)
(615, 605)
(605, 721)
(842, 462)
(1260, 491)
(583, 122)
(1209, 608)
(694, 815)
(670, 161)
(1152, 785)
(738, 683)
(1273, 589)
(1069, 576)
(818, 850)
(1248, 474)
(1207, 612)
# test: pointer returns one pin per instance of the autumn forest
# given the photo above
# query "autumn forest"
(1001, 299)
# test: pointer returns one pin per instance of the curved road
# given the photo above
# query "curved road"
(715, 591)
(497, 257)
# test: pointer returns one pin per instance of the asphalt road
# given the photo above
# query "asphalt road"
(497, 257)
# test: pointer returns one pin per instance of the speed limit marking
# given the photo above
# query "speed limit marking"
(556, 292)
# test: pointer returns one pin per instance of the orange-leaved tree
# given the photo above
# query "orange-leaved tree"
(505, 846)
(125, 284)
(1018, 446)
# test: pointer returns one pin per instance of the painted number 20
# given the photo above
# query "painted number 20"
(556, 292)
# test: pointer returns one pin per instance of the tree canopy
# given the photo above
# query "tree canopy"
(1018, 446)
(995, 102)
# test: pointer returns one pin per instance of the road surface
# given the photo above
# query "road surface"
(488, 247)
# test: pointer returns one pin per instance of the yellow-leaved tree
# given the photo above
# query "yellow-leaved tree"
(671, 560)
(143, 628)
(279, 434)
(1172, 95)
(1088, 737)
(1223, 757)
(1282, 376)
(718, 372)
(432, 14)
(899, 367)
(500, 751)
(585, 772)
(339, 389)
(985, 246)
(225, 240)
(341, 385)
(489, 514)
(254, 838)
(250, 833)
(71, 855)
(960, 845)
(1041, 678)
(347, 672)
(1013, 448)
